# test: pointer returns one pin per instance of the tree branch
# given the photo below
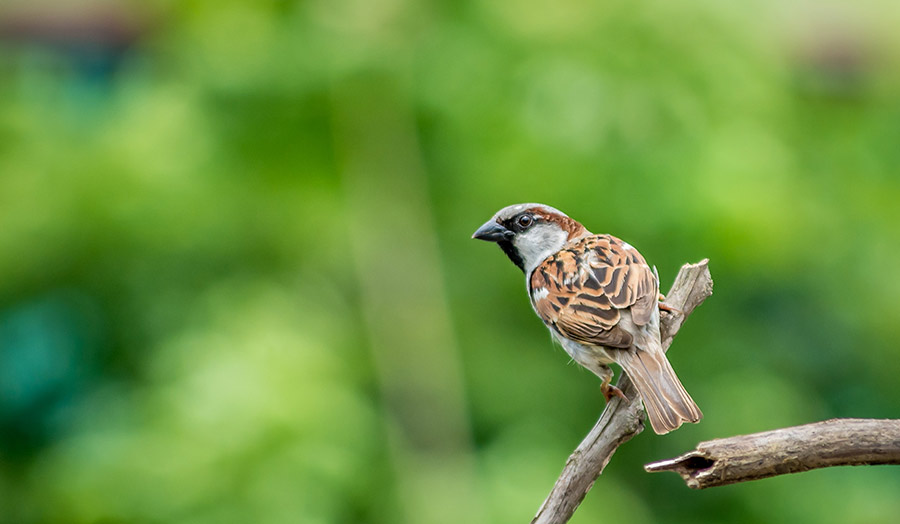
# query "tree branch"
(836, 442)
(621, 419)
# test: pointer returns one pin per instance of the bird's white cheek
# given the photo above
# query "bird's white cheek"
(539, 243)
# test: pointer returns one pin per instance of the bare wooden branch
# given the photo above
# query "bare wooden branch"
(836, 442)
(621, 419)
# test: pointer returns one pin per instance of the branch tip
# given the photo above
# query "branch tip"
(835, 442)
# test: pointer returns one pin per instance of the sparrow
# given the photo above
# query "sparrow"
(600, 300)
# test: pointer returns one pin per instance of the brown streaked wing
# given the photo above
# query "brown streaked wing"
(588, 283)
(638, 288)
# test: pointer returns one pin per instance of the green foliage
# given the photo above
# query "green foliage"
(237, 283)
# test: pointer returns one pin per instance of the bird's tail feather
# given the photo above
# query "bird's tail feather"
(665, 399)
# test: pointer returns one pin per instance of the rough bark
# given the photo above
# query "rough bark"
(621, 419)
(836, 442)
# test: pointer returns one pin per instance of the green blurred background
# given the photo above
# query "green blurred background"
(237, 283)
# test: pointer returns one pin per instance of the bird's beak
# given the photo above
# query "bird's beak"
(492, 232)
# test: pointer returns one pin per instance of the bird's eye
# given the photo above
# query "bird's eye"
(524, 221)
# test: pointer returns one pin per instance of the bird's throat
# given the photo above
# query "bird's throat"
(512, 253)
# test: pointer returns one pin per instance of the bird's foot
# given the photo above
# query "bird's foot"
(667, 308)
(610, 391)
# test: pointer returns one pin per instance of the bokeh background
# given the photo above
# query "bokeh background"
(237, 283)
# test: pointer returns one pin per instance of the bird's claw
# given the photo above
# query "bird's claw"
(667, 308)
(610, 391)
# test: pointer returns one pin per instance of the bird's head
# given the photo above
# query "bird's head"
(529, 233)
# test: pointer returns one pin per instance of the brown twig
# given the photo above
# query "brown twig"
(836, 442)
(622, 419)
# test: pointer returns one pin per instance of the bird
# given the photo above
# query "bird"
(600, 300)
